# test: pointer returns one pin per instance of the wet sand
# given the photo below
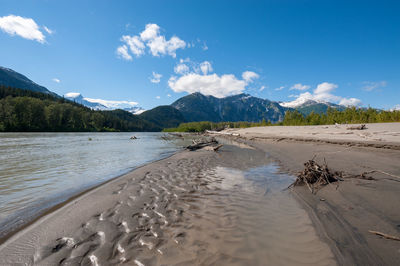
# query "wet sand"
(344, 213)
(194, 208)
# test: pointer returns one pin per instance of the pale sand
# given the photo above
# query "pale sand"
(194, 208)
(343, 215)
(379, 134)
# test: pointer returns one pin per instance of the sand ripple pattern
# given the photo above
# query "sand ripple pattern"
(193, 212)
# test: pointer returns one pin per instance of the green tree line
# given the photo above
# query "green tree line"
(295, 118)
(23, 110)
(206, 125)
(348, 116)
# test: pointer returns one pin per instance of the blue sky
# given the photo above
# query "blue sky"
(341, 51)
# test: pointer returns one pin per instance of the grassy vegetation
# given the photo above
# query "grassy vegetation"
(205, 125)
(295, 118)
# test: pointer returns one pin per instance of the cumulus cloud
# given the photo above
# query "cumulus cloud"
(23, 27)
(206, 67)
(158, 97)
(155, 78)
(299, 87)
(122, 52)
(218, 86)
(197, 77)
(323, 93)
(156, 43)
(371, 85)
(249, 76)
(56, 80)
(280, 88)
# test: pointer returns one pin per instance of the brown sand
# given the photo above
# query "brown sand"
(343, 215)
(194, 208)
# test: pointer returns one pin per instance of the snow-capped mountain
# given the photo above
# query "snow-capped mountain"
(100, 104)
(306, 106)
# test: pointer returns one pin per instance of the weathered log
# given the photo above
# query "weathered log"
(360, 127)
(201, 143)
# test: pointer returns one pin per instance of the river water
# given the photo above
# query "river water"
(40, 170)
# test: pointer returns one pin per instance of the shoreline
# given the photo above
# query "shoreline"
(7, 234)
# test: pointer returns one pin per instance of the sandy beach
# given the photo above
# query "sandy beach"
(231, 208)
(344, 213)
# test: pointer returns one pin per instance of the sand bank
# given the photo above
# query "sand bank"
(194, 208)
(379, 135)
(344, 214)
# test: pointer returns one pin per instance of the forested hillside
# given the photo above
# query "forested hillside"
(24, 110)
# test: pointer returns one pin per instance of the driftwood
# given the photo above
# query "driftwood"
(385, 235)
(360, 127)
(201, 143)
(316, 176)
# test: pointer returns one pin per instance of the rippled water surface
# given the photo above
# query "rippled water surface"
(39, 170)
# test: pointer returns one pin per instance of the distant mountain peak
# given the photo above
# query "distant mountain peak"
(100, 104)
(240, 107)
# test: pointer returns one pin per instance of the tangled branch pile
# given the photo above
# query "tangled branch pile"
(316, 176)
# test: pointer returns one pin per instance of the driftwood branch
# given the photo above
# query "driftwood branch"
(385, 235)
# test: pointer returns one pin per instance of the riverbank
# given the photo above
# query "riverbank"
(201, 207)
(344, 213)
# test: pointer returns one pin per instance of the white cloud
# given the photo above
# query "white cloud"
(122, 52)
(206, 67)
(370, 85)
(169, 95)
(262, 88)
(250, 76)
(280, 88)
(218, 86)
(56, 80)
(155, 78)
(158, 97)
(323, 93)
(158, 45)
(49, 31)
(181, 69)
(299, 87)
(151, 32)
(23, 27)
(136, 46)
(350, 102)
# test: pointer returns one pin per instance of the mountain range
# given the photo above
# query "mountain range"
(193, 107)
